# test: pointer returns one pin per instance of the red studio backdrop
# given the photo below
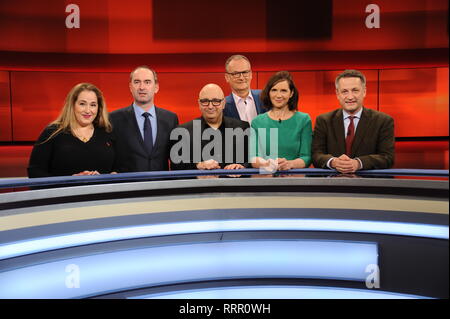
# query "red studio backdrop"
(401, 46)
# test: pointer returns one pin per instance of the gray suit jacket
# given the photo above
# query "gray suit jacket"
(373, 144)
(130, 148)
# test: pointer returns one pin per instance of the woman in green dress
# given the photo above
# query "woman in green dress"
(281, 137)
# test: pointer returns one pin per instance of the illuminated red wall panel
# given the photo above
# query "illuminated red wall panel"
(407, 95)
(14, 160)
(33, 26)
(425, 154)
(41, 101)
(140, 26)
(179, 92)
(187, 42)
(38, 97)
(318, 91)
(5, 108)
(403, 24)
(417, 99)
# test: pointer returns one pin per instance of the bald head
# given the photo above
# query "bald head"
(210, 91)
(211, 102)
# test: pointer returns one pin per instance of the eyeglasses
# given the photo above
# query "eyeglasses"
(214, 102)
(237, 75)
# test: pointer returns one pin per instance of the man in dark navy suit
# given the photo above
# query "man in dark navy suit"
(142, 130)
(243, 103)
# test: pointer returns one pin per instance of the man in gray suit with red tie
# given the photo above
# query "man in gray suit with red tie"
(353, 137)
(142, 130)
(243, 103)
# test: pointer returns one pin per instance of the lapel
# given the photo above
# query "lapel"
(256, 98)
(361, 129)
(135, 129)
(232, 109)
(339, 130)
(160, 127)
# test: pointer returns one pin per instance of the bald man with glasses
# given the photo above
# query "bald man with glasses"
(243, 103)
(212, 141)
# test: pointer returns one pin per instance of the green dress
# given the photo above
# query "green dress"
(290, 139)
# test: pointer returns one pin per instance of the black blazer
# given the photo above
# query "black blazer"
(227, 122)
(230, 109)
(132, 155)
(373, 144)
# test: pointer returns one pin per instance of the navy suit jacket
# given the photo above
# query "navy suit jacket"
(230, 109)
(131, 152)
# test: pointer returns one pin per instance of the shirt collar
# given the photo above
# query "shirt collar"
(356, 115)
(237, 98)
(205, 125)
(139, 110)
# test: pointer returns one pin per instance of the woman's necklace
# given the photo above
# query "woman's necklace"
(281, 114)
(85, 136)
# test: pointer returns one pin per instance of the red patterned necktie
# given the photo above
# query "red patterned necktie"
(350, 136)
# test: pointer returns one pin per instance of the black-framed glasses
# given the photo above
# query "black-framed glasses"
(214, 102)
(237, 75)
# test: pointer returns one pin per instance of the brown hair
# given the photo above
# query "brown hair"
(155, 76)
(351, 74)
(275, 79)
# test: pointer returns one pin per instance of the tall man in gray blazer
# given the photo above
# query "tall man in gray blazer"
(353, 137)
(243, 103)
(142, 130)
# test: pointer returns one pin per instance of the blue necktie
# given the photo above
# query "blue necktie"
(148, 136)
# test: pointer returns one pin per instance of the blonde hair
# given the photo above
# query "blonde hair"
(66, 119)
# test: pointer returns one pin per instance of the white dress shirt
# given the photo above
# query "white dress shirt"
(356, 118)
(246, 107)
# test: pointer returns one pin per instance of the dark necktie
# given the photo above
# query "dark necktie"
(148, 136)
(350, 136)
